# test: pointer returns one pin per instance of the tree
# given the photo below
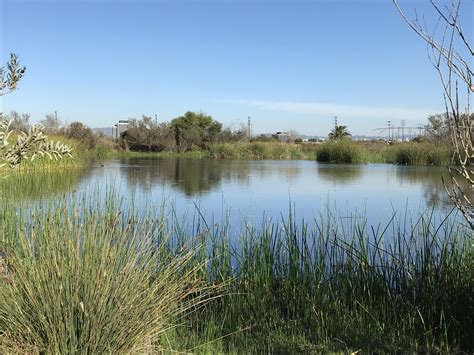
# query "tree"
(229, 134)
(437, 129)
(147, 135)
(79, 131)
(293, 135)
(195, 130)
(51, 123)
(27, 144)
(450, 53)
(19, 122)
(339, 132)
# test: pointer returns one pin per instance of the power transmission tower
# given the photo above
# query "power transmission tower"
(403, 130)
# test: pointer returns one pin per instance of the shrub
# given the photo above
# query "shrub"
(342, 151)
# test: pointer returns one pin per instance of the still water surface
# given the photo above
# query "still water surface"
(250, 189)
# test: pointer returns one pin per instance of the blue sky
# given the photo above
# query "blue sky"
(287, 64)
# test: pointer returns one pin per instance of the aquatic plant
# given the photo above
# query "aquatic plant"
(91, 280)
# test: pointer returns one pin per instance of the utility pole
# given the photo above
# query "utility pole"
(249, 125)
(420, 127)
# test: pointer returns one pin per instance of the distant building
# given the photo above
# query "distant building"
(120, 127)
(282, 136)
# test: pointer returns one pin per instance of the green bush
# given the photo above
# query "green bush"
(342, 151)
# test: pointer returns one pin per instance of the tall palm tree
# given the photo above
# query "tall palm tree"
(339, 132)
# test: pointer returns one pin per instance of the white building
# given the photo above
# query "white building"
(120, 127)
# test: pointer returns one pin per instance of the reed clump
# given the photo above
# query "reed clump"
(88, 274)
(256, 150)
(343, 286)
(87, 278)
(341, 151)
(413, 153)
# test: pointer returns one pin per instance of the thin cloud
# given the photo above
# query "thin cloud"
(347, 111)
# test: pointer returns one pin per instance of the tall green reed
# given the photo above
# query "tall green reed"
(88, 277)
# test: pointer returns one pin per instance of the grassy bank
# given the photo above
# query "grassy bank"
(346, 151)
(87, 275)
(407, 153)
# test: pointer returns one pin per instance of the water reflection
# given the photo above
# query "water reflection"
(339, 173)
(37, 184)
(191, 176)
(254, 186)
(430, 179)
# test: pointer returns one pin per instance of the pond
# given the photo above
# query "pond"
(253, 189)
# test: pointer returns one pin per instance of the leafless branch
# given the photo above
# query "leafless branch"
(451, 53)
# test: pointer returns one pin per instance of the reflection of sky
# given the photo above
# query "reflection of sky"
(251, 189)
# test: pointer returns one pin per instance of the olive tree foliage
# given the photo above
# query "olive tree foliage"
(27, 144)
(451, 53)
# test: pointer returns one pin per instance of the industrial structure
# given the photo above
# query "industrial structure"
(120, 127)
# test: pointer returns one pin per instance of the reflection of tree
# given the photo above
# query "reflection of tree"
(430, 178)
(37, 184)
(192, 176)
(198, 176)
(340, 174)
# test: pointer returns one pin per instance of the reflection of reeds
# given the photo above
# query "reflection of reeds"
(341, 174)
(85, 278)
(40, 183)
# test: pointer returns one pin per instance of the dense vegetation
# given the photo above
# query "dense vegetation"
(199, 135)
(83, 275)
(88, 274)
(405, 153)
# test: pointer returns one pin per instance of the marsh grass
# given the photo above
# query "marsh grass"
(91, 275)
(406, 153)
(341, 151)
(340, 285)
(417, 154)
(257, 150)
(83, 279)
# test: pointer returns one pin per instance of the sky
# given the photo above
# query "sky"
(291, 64)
